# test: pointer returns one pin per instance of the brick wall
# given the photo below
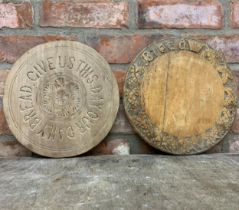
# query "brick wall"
(118, 30)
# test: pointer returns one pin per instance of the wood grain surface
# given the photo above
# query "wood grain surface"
(180, 96)
(61, 99)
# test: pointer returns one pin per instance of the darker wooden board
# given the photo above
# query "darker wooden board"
(180, 96)
(61, 99)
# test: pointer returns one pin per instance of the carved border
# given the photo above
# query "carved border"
(142, 123)
(25, 138)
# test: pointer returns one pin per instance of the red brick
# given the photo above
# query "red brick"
(236, 76)
(16, 15)
(113, 146)
(92, 14)
(12, 47)
(234, 146)
(123, 49)
(119, 75)
(4, 129)
(119, 147)
(3, 77)
(121, 124)
(235, 126)
(180, 14)
(12, 148)
(216, 149)
(235, 14)
(120, 49)
(229, 45)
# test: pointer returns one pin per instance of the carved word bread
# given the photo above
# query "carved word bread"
(61, 99)
(180, 96)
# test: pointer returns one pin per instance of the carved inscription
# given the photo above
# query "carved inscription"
(180, 96)
(60, 96)
(63, 98)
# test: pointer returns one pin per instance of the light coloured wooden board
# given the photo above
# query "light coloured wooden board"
(61, 99)
(180, 96)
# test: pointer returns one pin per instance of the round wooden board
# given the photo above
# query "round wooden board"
(180, 96)
(61, 99)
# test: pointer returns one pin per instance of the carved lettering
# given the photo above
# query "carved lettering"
(70, 132)
(170, 45)
(59, 97)
(183, 45)
(25, 106)
(86, 121)
(26, 93)
(93, 115)
(62, 61)
(66, 62)
(86, 71)
(32, 118)
(26, 89)
(92, 79)
(71, 62)
(162, 48)
(142, 96)
(32, 76)
(50, 63)
(96, 89)
(147, 56)
(54, 133)
(37, 71)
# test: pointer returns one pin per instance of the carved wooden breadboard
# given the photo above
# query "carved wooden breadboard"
(61, 99)
(180, 96)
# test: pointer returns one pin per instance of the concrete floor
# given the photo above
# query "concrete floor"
(121, 182)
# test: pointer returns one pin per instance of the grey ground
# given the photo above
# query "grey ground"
(121, 182)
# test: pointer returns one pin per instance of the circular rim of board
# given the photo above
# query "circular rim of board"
(142, 123)
(112, 107)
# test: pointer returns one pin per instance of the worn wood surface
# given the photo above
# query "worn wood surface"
(121, 182)
(180, 96)
(61, 99)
